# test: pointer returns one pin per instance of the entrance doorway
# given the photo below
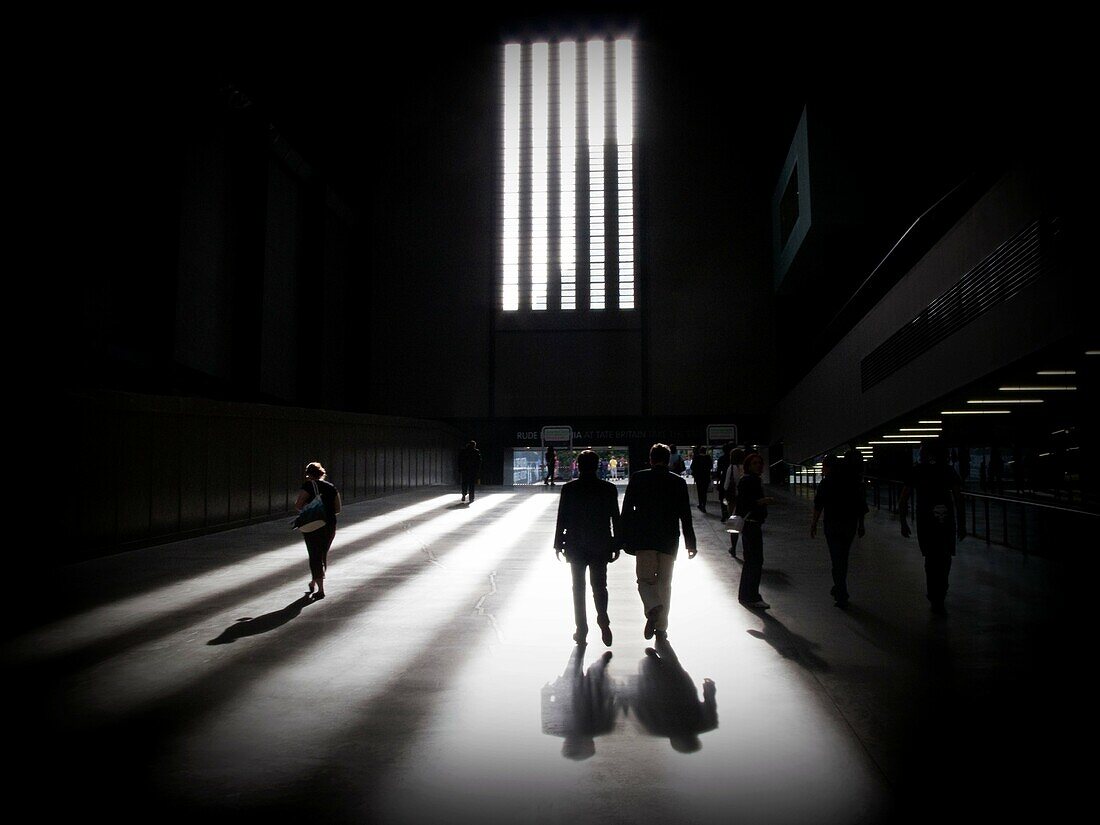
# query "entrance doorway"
(529, 464)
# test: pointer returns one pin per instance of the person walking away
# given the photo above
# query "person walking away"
(940, 523)
(469, 467)
(319, 539)
(720, 467)
(587, 531)
(656, 507)
(551, 465)
(840, 497)
(734, 473)
(700, 471)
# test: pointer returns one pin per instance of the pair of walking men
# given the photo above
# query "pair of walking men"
(591, 533)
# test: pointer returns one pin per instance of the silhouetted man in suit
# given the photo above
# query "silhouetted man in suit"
(469, 465)
(940, 518)
(655, 508)
(588, 524)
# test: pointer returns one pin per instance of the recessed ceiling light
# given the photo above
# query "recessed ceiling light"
(1007, 401)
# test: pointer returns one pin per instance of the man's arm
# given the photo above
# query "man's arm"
(685, 522)
(564, 512)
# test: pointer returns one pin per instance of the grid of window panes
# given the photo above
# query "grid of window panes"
(568, 134)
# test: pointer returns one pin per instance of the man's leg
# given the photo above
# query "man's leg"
(664, 590)
(597, 575)
(646, 562)
(840, 545)
(937, 566)
(580, 616)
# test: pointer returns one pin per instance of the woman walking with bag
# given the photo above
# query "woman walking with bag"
(317, 505)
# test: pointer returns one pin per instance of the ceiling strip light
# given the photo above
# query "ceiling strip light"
(1034, 389)
(1007, 401)
(1056, 372)
(975, 412)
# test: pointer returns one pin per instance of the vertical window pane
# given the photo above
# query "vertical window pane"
(540, 140)
(567, 72)
(596, 126)
(510, 195)
(624, 136)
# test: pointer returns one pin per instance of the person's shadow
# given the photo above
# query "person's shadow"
(261, 624)
(579, 706)
(789, 644)
(665, 701)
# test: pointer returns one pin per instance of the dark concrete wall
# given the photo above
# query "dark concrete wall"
(150, 469)
(828, 407)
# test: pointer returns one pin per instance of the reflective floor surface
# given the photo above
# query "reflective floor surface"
(438, 681)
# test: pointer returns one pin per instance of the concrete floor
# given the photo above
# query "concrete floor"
(438, 682)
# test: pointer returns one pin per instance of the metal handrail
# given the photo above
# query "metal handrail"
(1004, 499)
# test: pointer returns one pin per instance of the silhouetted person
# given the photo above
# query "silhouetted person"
(676, 461)
(840, 497)
(318, 539)
(551, 465)
(469, 467)
(721, 466)
(655, 508)
(587, 531)
(752, 505)
(579, 706)
(732, 478)
(996, 471)
(666, 702)
(939, 518)
(700, 471)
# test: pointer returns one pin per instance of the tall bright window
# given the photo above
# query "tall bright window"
(567, 239)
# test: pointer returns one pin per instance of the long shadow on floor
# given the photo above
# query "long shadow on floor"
(789, 644)
(261, 624)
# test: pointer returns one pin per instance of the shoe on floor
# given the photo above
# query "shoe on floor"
(605, 634)
(650, 620)
(318, 596)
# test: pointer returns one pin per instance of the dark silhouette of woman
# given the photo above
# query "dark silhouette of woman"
(319, 541)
